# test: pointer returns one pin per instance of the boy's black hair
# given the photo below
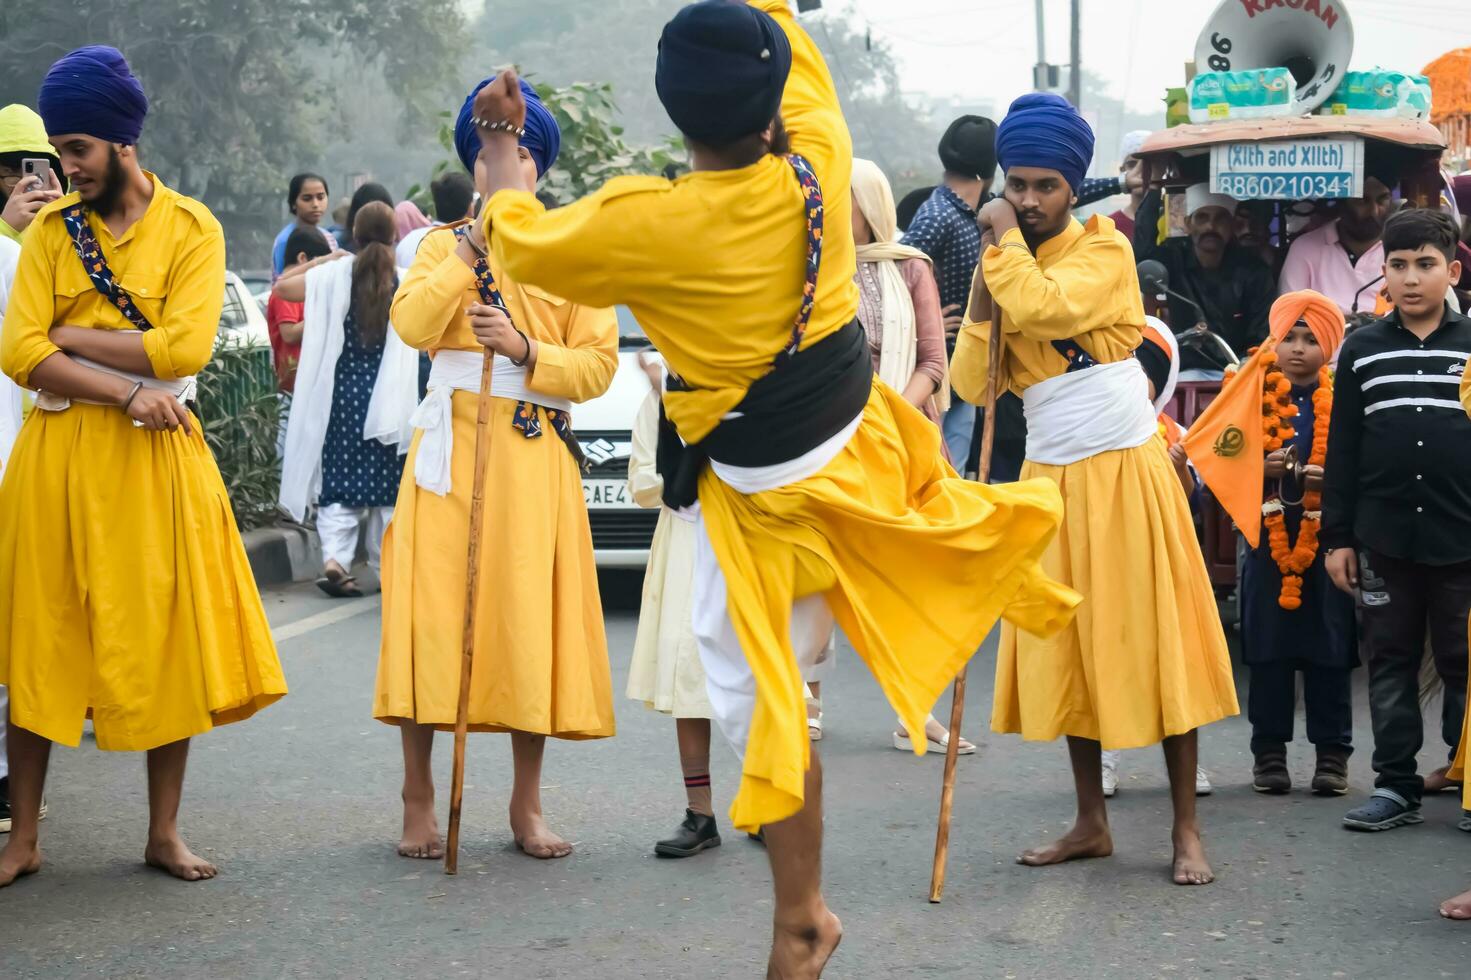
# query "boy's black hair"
(308, 240)
(1413, 228)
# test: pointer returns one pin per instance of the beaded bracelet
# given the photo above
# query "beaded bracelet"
(504, 126)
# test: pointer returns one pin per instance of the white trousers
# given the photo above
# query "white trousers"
(728, 677)
(338, 525)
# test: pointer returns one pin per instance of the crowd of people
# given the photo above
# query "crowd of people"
(806, 457)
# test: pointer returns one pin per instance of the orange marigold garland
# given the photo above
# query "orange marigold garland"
(1293, 560)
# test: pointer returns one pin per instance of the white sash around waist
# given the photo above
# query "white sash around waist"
(459, 370)
(757, 479)
(1084, 413)
(181, 388)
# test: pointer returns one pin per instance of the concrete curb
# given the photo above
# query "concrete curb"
(282, 554)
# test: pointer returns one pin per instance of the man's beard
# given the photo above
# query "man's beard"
(114, 182)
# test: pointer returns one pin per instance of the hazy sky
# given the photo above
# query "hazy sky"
(985, 49)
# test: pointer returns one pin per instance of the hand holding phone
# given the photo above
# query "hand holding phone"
(37, 188)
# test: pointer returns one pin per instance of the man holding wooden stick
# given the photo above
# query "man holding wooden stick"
(1145, 660)
(817, 486)
(538, 659)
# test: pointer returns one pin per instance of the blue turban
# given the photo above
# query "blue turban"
(1044, 130)
(722, 68)
(92, 91)
(543, 139)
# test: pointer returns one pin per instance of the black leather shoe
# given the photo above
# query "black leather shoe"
(694, 835)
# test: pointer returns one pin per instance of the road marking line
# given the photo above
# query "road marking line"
(301, 627)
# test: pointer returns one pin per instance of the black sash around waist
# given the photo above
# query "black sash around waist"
(805, 400)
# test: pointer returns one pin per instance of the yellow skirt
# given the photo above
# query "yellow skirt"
(124, 586)
(541, 658)
(1146, 657)
(1458, 768)
(916, 564)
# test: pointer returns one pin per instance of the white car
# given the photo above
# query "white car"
(621, 529)
(241, 320)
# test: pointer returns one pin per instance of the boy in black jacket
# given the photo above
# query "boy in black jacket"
(1397, 503)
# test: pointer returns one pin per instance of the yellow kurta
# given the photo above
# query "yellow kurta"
(915, 563)
(124, 586)
(1146, 657)
(541, 658)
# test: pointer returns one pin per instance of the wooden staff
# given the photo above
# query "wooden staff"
(472, 581)
(957, 701)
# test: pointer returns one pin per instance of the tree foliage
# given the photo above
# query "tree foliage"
(243, 91)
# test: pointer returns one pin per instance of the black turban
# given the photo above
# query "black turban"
(969, 147)
(722, 68)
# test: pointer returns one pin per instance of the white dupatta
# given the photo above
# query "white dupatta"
(395, 392)
(898, 344)
(11, 408)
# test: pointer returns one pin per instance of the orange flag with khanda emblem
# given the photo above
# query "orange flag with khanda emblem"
(1228, 443)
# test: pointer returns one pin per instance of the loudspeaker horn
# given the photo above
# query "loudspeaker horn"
(1313, 39)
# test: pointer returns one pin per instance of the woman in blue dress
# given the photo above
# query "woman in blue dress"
(356, 391)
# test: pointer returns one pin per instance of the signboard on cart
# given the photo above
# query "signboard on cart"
(1289, 170)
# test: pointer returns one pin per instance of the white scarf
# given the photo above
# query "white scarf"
(395, 391)
(1084, 413)
(10, 398)
(897, 343)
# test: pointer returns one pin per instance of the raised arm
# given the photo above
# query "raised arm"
(809, 106)
(595, 251)
(431, 297)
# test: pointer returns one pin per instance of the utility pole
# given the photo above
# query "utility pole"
(1075, 72)
(1040, 73)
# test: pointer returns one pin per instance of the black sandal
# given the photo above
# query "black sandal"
(339, 585)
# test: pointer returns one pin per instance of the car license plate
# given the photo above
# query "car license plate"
(606, 494)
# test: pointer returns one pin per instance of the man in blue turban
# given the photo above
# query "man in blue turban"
(540, 143)
(116, 308)
(1066, 298)
(93, 109)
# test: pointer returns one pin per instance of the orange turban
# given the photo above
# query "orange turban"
(1320, 313)
(1225, 443)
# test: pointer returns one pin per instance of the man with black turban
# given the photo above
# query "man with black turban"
(825, 493)
(124, 587)
(1148, 661)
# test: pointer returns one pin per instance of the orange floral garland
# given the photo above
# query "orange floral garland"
(1293, 560)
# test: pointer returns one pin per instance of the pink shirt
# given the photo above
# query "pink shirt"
(1316, 260)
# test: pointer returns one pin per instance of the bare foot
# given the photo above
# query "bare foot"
(1439, 781)
(171, 854)
(1191, 867)
(18, 860)
(536, 839)
(421, 837)
(1076, 844)
(1458, 907)
(802, 953)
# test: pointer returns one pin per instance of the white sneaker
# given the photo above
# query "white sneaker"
(1203, 785)
(1110, 774)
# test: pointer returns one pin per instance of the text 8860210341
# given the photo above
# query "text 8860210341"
(1287, 187)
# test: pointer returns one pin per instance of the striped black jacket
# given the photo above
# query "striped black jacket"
(1398, 473)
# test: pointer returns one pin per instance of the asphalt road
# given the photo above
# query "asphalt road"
(299, 807)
